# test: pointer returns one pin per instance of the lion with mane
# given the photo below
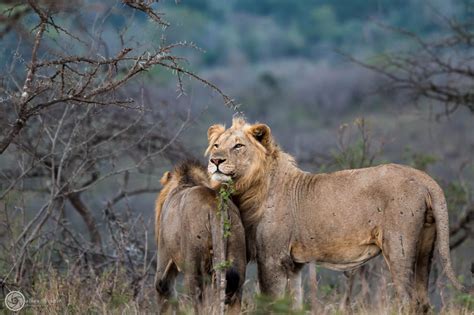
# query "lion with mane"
(339, 220)
(186, 209)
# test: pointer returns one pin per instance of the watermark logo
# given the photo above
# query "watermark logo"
(15, 301)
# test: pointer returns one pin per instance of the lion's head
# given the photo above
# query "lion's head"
(239, 153)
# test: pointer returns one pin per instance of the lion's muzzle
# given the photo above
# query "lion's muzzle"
(217, 174)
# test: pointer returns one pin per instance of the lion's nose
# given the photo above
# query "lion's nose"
(217, 161)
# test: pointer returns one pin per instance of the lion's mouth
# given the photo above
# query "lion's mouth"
(221, 177)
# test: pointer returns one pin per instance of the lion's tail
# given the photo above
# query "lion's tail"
(437, 202)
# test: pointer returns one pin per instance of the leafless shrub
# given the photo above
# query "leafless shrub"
(77, 126)
(439, 70)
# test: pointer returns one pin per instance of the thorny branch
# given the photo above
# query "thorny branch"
(73, 135)
(86, 79)
(440, 70)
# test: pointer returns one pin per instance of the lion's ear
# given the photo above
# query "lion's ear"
(212, 134)
(165, 178)
(215, 131)
(262, 134)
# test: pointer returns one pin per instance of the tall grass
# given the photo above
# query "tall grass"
(69, 292)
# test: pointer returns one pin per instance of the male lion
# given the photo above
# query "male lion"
(185, 210)
(338, 220)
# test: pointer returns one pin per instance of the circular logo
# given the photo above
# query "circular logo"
(15, 301)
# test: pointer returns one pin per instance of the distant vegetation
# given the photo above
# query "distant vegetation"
(79, 177)
(269, 29)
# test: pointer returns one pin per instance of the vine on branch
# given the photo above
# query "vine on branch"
(225, 192)
(221, 264)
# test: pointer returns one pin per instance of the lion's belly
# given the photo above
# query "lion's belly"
(337, 256)
(350, 259)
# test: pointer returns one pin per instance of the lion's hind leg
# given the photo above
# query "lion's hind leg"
(345, 305)
(166, 273)
(423, 261)
(400, 253)
(193, 283)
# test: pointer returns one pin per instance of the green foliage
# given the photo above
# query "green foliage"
(305, 27)
(358, 152)
(227, 228)
(465, 300)
(352, 157)
(419, 160)
(326, 24)
(327, 289)
(456, 195)
(266, 305)
(118, 299)
(223, 198)
(225, 193)
(223, 265)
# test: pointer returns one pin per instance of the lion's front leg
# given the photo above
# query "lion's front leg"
(278, 276)
(272, 277)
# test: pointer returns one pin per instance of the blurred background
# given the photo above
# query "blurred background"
(99, 98)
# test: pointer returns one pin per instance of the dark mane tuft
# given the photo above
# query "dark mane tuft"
(191, 173)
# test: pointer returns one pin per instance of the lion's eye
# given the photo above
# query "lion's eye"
(238, 145)
(216, 145)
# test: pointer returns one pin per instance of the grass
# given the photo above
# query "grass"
(111, 293)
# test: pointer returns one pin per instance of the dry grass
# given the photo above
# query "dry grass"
(111, 293)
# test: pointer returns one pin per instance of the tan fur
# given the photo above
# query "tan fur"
(212, 134)
(339, 220)
(254, 182)
(184, 212)
(164, 181)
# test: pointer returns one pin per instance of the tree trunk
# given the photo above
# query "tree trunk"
(86, 215)
(313, 288)
(219, 248)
